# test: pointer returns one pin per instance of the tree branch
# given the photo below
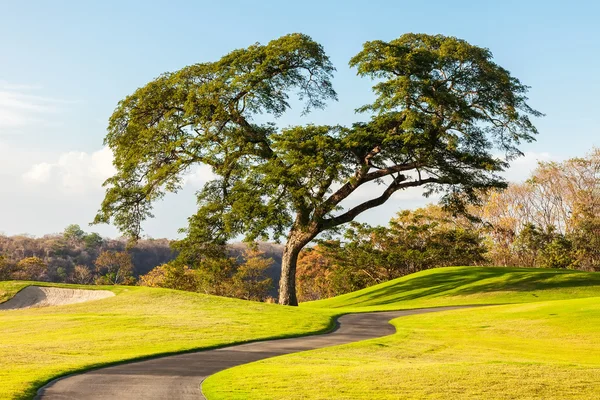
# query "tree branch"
(354, 212)
(351, 186)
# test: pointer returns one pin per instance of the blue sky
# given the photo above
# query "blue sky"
(64, 65)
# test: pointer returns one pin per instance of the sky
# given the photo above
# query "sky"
(64, 66)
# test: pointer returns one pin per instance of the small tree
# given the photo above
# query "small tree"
(313, 274)
(6, 269)
(443, 109)
(73, 233)
(93, 241)
(558, 254)
(114, 268)
(81, 275)
(250, 281)
(31, 269)
(586, 242)
(172, 276)
(529, 244)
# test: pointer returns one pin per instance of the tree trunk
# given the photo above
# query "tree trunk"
(287, 282)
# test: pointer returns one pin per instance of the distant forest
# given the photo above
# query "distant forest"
(60, 255)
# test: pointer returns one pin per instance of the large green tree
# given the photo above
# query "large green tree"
(442, 112)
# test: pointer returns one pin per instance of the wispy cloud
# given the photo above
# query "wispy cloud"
(21, 106)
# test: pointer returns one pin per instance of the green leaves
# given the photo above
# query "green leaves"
(203, 114)
(453, 105)
(443, 109)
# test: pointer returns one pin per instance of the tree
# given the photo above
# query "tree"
(443, 108)
(558, 253)
(250, 281)
(81, 275)
(413, 241)
(171, 276)
(551, 215)
(586, 242)
(6, 268)
(93, 241)
(529, 244)
(313, 274)
(31, 269)
(73, 233)
(114, 268)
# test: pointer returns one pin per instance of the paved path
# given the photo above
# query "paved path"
(179, 377)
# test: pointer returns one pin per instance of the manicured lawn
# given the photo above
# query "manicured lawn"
(543, 350)
(468, 285)
(40, 344)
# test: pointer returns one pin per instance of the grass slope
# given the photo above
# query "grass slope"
(40, 344)
(468, 285)
(547, 348)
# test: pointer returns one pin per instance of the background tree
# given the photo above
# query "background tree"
(81, 275)
(6, 268)
(586, 242)
(30, 269)
(442, 109)
(244, 278)
(74, 233)
(114, 268)
(250, 281)
(549, 220)
(314, 274)
(93, 241)
(172, 276)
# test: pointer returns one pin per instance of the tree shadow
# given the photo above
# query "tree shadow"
(464, 281)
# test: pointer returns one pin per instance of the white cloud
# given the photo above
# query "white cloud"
(74, 172)
(39, 172)
(78, 171)
(198, 176)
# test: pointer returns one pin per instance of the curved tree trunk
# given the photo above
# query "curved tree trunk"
(287, 282)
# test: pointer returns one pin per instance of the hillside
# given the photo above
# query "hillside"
(468, 285)
(540, 350)
(546, 348)
(40, 344)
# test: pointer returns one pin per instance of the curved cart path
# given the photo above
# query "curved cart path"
(180, 376)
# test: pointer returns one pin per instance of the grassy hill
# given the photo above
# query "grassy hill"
(40, 344)
(547, 348)
(468, 285)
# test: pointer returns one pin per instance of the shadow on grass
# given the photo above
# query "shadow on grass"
(466, 281)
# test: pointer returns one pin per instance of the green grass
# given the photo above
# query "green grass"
(38, 345)
(468, 285)
(547, 348)
(543, 350)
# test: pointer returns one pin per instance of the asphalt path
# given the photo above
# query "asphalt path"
(179, 377)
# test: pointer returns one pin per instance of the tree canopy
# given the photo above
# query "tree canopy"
(443, 111)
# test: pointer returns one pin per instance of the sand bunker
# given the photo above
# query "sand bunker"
(38, 296)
